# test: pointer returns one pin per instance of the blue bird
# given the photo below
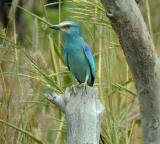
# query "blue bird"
(77, 54)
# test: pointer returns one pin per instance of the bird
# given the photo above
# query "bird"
(77, 54)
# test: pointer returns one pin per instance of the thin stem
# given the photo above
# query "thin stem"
(149, 17)
(23, 131)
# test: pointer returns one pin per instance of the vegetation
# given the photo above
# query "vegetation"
(31, 64)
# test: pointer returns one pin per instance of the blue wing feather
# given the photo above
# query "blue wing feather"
(89, 56)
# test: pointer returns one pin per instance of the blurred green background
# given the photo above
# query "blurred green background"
(31, 64)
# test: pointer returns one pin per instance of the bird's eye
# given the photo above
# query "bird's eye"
(68, 26)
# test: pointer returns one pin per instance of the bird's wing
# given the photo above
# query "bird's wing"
(66, 58)
(90, 59)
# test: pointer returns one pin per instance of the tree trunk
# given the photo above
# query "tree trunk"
(138, 47)
(83, 112)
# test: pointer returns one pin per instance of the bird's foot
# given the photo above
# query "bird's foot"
(84, 85)
(73, 88)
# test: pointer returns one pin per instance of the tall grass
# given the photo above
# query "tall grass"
(35, 66)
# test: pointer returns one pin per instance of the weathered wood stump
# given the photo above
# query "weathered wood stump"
(83, 111)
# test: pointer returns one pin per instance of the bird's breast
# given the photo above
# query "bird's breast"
(78, 64)
(77, 58)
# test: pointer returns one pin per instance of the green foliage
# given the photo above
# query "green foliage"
(35, 65)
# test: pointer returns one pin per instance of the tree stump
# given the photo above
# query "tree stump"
(83, 111)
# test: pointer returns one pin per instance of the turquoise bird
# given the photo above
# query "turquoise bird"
(77, 54)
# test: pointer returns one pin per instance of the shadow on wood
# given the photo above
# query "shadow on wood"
(83, 112)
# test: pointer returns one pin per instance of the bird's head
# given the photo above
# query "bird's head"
(69, 28)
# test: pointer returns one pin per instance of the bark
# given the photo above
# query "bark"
(138, 47)
(83, 111)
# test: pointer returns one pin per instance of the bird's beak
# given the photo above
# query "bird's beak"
(56, 27)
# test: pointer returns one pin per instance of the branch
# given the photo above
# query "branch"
(56, 99)
(142, 59)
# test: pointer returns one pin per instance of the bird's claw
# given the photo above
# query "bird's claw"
(84, 85)
(73, 89)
